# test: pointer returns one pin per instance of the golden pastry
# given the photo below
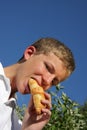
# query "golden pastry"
(38, 95)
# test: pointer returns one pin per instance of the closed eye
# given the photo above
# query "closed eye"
(49, 67)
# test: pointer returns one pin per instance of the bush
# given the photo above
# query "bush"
(65, 113)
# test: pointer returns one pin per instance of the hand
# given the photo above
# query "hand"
(31, 120)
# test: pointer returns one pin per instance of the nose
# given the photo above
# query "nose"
(47, 81)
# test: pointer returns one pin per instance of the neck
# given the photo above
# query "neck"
(10, 72)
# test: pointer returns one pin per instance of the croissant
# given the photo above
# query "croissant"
(38, 95)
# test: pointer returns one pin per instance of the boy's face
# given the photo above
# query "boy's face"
(47, 70)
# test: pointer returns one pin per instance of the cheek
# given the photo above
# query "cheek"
(39, 69)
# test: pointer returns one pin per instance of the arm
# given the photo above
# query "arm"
(32, 121)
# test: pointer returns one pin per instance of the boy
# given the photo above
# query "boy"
(49, 62)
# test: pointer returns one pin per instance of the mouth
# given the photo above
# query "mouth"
(35, 80)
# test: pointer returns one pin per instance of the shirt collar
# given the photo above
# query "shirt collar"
(1, 70)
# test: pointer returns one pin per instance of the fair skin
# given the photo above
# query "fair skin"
(44, 70)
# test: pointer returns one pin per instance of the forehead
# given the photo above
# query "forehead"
(60, 69)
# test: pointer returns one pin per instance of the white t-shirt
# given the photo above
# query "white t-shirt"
(8, 118)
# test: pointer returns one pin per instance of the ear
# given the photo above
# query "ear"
(29, 52)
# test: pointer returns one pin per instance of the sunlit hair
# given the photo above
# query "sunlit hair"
(51, 45)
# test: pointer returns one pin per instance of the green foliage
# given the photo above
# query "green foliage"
(20, 111)
(83, 111)
(66, 114)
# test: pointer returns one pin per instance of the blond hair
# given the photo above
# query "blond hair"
(47, 45)
(51, 45)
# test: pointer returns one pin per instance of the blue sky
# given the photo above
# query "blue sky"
(25, 21)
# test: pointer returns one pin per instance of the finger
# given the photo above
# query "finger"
(47, 96)
(45, 116)
(46, 112)
(47, 103)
